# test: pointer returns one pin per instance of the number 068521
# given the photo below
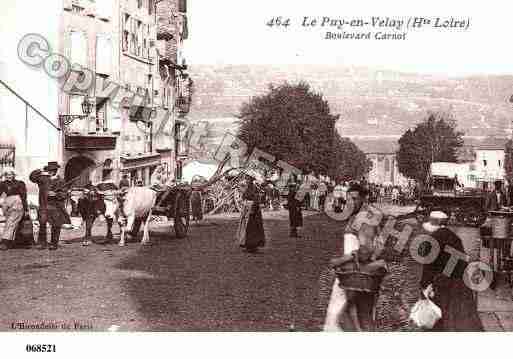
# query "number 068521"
(40, 348)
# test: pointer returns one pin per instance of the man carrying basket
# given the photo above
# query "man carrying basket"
(357, 268)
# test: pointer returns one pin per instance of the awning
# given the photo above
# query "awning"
(134, 162)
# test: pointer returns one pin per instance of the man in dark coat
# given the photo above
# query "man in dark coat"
(295, 213)
(52, 195)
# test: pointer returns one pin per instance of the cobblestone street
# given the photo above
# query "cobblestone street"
(204, 282)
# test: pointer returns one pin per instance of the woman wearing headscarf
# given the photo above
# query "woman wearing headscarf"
(250, 233)
(14, 206)
(448, 290)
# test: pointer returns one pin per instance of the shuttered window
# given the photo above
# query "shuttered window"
(75, 108)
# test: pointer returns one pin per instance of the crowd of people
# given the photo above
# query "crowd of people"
(358, 243)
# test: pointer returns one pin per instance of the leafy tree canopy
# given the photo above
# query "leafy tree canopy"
(434, 140)
(293, 123)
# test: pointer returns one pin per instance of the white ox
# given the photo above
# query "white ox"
(136, 208)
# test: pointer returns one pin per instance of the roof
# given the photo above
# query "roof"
(381, 146)
(486, 144)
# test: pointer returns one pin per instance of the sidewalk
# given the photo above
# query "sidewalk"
(496, 308)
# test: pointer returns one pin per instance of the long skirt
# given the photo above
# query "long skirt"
(250, 233)
(13, 212)
(196, 204)
(459, 308)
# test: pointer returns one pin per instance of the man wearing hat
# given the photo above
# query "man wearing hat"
(52, 195)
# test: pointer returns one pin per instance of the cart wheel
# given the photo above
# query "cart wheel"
(181, 220)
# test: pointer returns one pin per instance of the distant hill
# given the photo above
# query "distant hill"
(369, 102)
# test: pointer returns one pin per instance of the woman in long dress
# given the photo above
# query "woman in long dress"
(14, 206)
(251, 227)
(451, 294)
(197, 204)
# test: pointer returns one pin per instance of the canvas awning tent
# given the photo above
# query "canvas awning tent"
(197, 168)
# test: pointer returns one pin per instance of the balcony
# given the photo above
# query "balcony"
(90, 142)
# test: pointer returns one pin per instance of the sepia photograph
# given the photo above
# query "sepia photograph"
(254, 166)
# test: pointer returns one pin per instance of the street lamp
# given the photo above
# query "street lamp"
(87, 106)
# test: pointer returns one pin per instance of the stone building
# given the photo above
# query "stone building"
(120, 42)
(382, 154)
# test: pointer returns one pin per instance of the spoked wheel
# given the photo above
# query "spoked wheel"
(181, 219)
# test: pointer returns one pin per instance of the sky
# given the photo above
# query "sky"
(234, 32)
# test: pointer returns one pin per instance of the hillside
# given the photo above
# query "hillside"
(369, 102)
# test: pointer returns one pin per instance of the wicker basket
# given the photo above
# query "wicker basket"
(359, 280)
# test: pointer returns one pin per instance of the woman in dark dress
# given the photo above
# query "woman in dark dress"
(455, 299)
(294, 208)
(251, 227)
(197, 204)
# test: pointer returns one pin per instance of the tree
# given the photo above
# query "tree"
(434, 140)
(349, 162)
(292, 123)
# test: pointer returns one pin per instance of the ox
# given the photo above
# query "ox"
(135, 207)
(95, 201)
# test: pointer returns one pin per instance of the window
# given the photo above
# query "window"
(499, 163)
(75, 108)
(484, 163)
(114, 117)
(387, 165)
(151, 6)
(103, 55)
(78, 46)
(102, 106)
(139, 4)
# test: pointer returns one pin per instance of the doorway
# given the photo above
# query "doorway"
(79, 169)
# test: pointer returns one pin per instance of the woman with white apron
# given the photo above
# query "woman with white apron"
(14, 206)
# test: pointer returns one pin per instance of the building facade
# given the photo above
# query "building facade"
(120, 42)
(382, 155)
